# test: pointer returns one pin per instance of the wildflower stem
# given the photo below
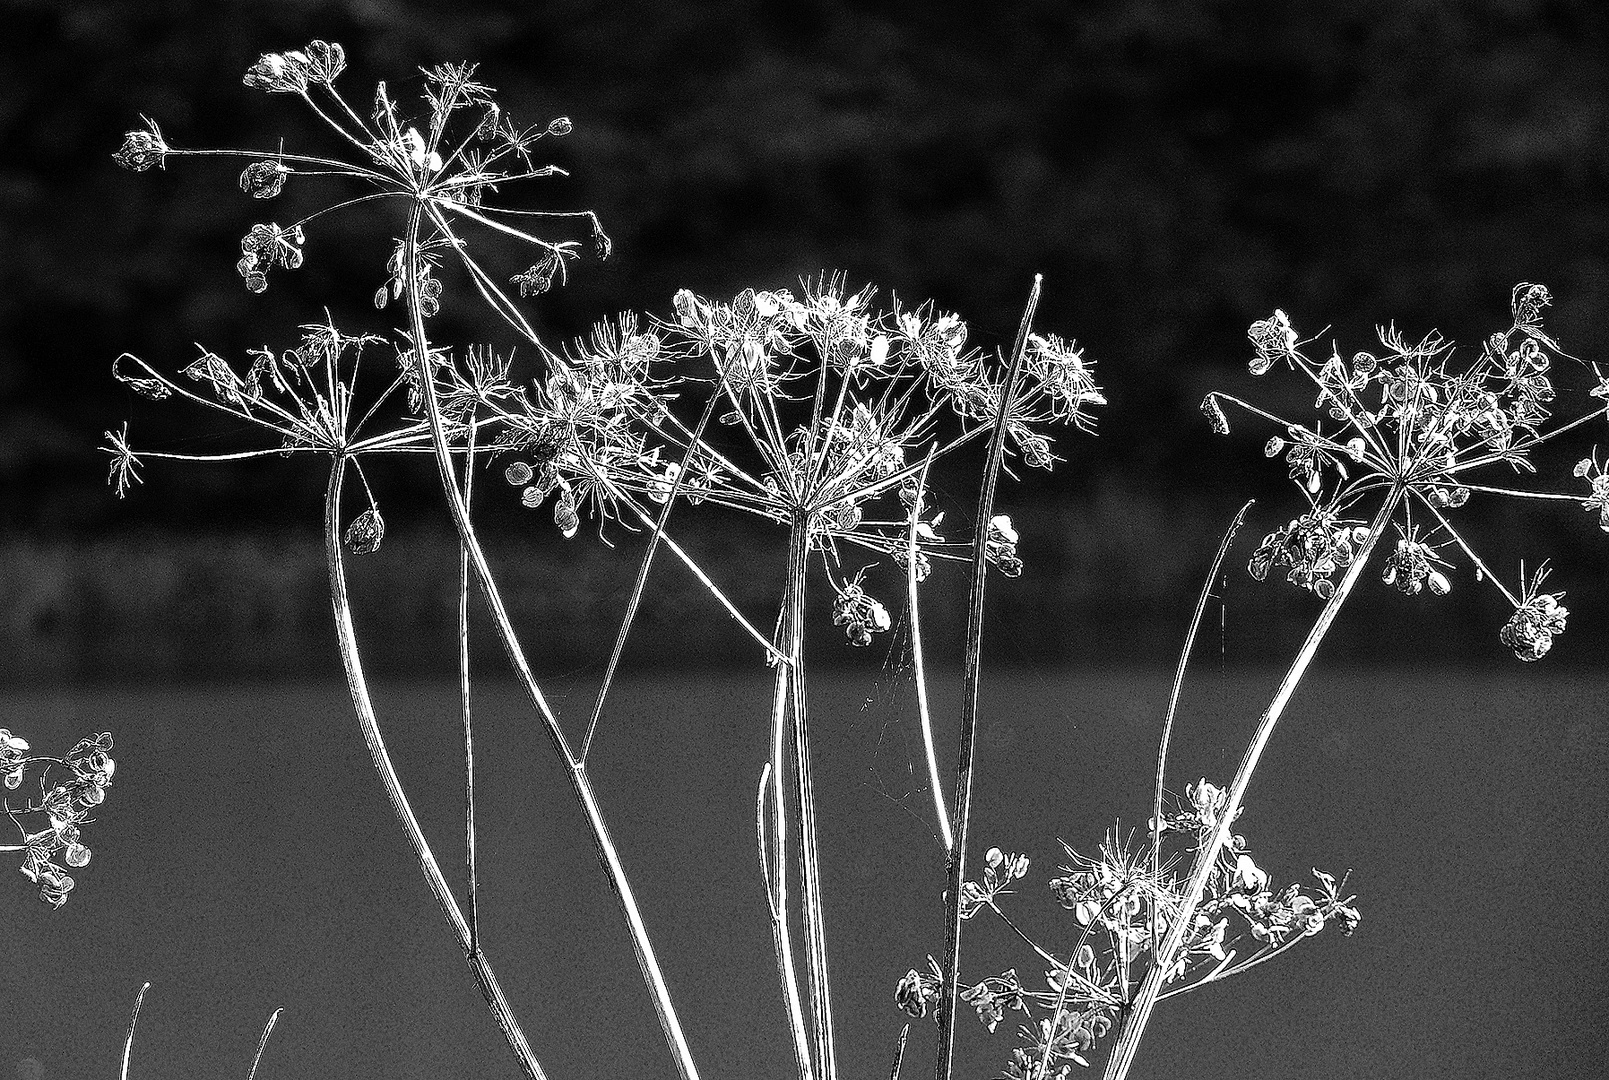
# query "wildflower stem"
(262, 1044)
(128, 1041)
(1139, 1013)
(971, 673)
(809, 856)
(468, 715)
(911, 551)
(1173, 705)
(642, 577)
(581, 784)
(781, 938)
(363, 705)
(773, 653)
(1480, 565)
(899, 1052)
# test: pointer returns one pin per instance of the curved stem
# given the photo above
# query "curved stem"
(363, 705)
(1173, 705)
(911, 551)
(971, 674)
(1139, 1015)
(580, 783)
(262, 1044)
(134, 1018)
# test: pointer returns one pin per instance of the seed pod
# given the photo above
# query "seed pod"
(565, 516)
(263, 179)
(367, 530)
(1215, 415)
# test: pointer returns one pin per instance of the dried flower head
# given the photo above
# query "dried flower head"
(1414, 430)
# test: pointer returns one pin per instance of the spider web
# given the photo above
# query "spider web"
(890, 729)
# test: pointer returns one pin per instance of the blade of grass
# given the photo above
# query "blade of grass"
(971, 674)
(899, 1052)
(128, 1041)
(1173, 705)
(939, 810)
(262, 1044)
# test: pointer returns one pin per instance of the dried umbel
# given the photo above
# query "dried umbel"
(1415, 432)
(1120, 909)
(70, 788)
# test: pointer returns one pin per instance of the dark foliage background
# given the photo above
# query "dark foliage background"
(1175, 169)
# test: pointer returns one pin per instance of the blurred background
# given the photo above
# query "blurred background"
(1175, 169)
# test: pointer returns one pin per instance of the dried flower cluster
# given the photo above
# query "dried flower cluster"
(1122, 909)
(1416, 429)
(70, 787)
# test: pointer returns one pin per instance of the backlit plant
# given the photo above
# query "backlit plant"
(821, 412)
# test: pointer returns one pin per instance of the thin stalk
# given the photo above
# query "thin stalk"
(809, 854)
(1173, 706)
(580, 783)
(262, 1044)
(362, 703)
(468, 713)
(899, 1052)
(642, 578)
(1122, 1059)
(971, 673)
(774, 871)
(773, 654)
(939, 811)
(128, 1041)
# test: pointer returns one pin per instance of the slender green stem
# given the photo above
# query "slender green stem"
(971, 674)
(362, 703)
(809, 854)
(1173, 705)
(939, 812)
(1139, 1014)
(580, 782)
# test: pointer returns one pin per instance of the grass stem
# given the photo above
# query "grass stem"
(128, 1041)
(939, 811)
(1173, 706)
(971, 675)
